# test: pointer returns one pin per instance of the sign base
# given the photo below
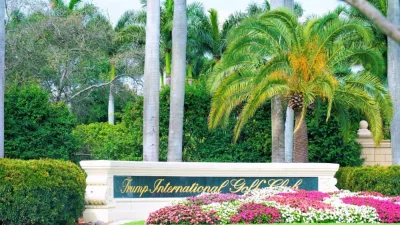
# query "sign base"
(120, 190)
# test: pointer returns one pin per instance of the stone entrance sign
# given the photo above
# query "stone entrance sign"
(118, 190)
(179, 187)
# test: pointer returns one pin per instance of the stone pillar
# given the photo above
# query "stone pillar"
(373, 155)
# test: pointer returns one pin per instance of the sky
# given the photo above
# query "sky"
(115, 8)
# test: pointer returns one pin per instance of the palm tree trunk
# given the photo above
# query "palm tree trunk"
(179, 40)
(289, 129)
(277, 4)
(111, 119)
(300, 154)
(277, 124)
(394, 80)
(152, 83)
(2, 75)
(289, 121)
(277, 116)
(289, 4)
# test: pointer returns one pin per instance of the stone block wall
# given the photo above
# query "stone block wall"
(373, 155)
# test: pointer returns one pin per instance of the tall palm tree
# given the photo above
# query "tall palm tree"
(394, 81)
(274, 55)
(212, 35)
(277, 109)
(179, 40)
(167, 14)
(111, 108)
(152, 83)
(129, 33)
(2, 76)
(195, 50)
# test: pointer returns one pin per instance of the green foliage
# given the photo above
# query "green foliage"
(96, 104)
(35, 128)
(300, 56)
(40, 192)
(64, 54)
(199, 144)
(327, 144)
(112, 142)
(385, 180)
(254, 144)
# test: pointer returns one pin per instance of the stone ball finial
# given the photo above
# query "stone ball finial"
(363, 124)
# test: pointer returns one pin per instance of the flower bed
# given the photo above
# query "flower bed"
(281, 205)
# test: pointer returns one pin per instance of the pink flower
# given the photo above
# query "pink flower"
(315, 195)
(388, 212)
(212, 198)
(182, 214)
(302, 203)
(256, 213)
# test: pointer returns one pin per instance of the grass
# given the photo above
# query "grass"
(142, 223)
(135, 223)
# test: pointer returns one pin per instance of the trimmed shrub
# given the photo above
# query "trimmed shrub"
(105, 141)
(383, 179)
(40, 192)
(124, 141)
(326, 142)
(34, 127)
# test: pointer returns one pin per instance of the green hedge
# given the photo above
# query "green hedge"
(383, 179)
(34, 127)
(44, 192)
(124, 140)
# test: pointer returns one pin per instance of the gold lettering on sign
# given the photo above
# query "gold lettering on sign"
(297, 184)
(278, 182)
(236, 186)
(224, 184)
(127, 188)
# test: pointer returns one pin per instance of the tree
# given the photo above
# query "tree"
(390, 28)
(65, 53)
(394, 80)
(2, 74)
(167, 14)
(129, 38)
(111, 108)
(61, 8)
(277, 114)
(274, 55)
(151, 83)
(179, 40)
(212, 35)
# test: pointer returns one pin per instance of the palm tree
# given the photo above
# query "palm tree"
(394, 81)
(60, 8)
(129, 33)
(111, 108)
(274, 55)
(167, 13)
(152, 83)
(195, 49)
(179, 40)
(211, 35)
(2, 77)
(277, 114)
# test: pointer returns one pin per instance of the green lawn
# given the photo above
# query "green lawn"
(135, 223)
(142, 223)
